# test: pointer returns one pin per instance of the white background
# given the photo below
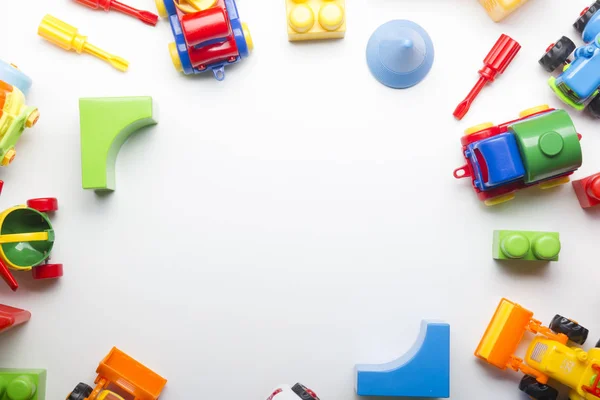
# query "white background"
(294, 220)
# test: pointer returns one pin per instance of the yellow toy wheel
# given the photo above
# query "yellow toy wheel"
(175, 57)
(555, 182)
(9, 156)
(478, 128)
(248, 36)
(160, 7)
(499, 199)
(33, 118)
(533, 110)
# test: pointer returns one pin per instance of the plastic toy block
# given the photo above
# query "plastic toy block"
(106, 123)
(67, 37)
(11, 316)
(588, 191)
(500, 9)
(525, 245)
(422, 372)
(400, 54)
(22, 384)
(316, 19)
(119, 370)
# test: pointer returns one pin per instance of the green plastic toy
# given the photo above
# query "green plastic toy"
(22, 384)
(106, 123)
(525, 245)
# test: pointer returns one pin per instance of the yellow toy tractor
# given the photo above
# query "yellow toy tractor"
(551, 355)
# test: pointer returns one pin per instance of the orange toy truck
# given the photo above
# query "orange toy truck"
(551, 355)
(125, 376)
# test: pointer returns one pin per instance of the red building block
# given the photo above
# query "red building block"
(10, 316)
(588, 191)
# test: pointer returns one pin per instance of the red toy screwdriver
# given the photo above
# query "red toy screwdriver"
(496, 62)
(145, 16)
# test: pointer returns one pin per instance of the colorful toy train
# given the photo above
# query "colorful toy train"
(15, 115)
(208, 35)
(541, 148)
(578, 82)
(548, 356)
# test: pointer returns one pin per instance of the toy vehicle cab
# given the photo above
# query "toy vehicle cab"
(208, 35)
(119, 372)
(15, 115)
(549, 356)
(578, 82)
(26, 240)
(541, 148)
(296, 392)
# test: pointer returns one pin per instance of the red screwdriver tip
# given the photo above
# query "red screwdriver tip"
(495, 63)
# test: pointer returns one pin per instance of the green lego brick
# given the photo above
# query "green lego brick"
(526, 245)
(22, 384)
(549, 145)
(106, 123)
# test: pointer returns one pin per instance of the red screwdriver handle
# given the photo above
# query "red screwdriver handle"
(500, 57)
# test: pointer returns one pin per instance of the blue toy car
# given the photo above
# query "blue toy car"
(578, 83)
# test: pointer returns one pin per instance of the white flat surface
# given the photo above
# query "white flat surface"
(294, 220)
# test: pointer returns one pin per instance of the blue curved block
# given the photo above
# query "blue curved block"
(422, 372)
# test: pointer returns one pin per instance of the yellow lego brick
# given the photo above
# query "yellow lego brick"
(316, 19)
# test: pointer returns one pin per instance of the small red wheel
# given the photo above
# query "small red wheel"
(44, 204)
(47, 271)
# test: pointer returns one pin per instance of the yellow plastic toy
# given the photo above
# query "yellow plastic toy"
(67, 37)
(548, 356)
(316, 19)
(500, 9)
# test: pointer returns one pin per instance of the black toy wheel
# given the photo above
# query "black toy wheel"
(303, 392)
(575, 332)
(557, 54)
(594, 107)
(530, 386)
(585, 16)
(80, 392)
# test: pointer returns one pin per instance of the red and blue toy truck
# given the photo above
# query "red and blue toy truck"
(208, 35)
(541, 148)
(579, 80)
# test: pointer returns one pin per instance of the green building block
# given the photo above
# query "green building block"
(22, 384)
(525, 245)
(106, 123)
(549, 144)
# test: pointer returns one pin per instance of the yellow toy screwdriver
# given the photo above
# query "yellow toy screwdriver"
(66, 36)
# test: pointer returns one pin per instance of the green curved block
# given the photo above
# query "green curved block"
(106, 123)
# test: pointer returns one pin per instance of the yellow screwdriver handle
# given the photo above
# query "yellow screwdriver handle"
(67, 37)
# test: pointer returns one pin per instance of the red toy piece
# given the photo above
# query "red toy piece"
(588, 191)
(44, 204)
(496, 62)
(107, 5)
(10, 316)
